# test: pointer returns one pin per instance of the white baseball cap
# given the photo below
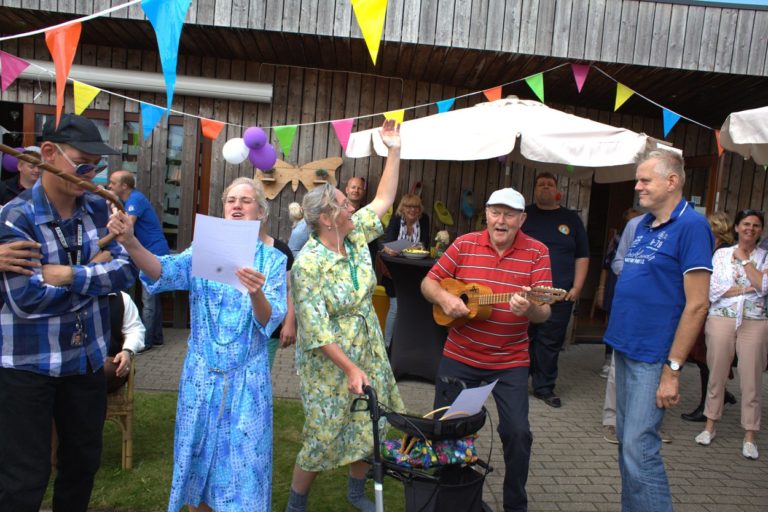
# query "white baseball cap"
(507, 197)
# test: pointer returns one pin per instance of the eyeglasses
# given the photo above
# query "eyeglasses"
(246, 200)
(417, 206)
(81, 169)
(507, 215)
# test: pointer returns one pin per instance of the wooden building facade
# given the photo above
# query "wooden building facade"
(698, 60)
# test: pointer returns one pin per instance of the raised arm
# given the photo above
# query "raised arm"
(385, 194)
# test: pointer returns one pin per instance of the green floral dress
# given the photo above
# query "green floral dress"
(331, 309)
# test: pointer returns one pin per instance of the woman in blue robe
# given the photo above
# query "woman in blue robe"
(223, 439)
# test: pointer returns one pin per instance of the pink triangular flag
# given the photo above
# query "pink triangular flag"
(343, 128)
(10, 68)
(580, 74)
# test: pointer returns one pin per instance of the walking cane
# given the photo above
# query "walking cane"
(87, 185)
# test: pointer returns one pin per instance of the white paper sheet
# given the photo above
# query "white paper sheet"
(223, 246)
(399, 245)
(469, 401)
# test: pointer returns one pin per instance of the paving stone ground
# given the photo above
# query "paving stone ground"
(572, 467)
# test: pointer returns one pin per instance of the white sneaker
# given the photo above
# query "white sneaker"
(605, 371)
(749, 450)
(705, 438)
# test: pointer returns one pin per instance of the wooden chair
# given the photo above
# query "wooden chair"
(120, 411)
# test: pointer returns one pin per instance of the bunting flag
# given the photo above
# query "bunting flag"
(84, 95)
(670, 119)
(285, 136)
(580, 74)
(536, 83)
(493, 94)
(167, 18)
(720, 148)
(211, 128)
(370, 16)
(150, 116)
(10, 68)
(343, 127)
(445, 105)
(623, 93)
(62, 43)
(397, 115)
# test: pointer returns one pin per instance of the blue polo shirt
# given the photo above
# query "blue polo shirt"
(649, 297)
(148, 229)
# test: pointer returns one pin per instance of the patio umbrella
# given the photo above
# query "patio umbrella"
(746, 133)
(530, 132)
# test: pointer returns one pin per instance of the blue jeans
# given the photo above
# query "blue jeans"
(152, 317)
(644, 484)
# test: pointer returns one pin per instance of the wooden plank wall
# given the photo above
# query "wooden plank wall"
(308, 95)
(674, 35)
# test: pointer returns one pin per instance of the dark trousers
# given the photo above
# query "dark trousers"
(546, 341)
(29, 403)
(511, 395)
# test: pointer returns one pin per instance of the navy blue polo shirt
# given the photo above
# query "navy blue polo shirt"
(649, 297)
(562, 231)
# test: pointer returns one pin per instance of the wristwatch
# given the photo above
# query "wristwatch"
(130, 352)
(744, 263)
(675, 366)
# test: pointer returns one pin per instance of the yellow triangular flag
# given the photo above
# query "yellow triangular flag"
(623, 93)
(397, 115)
(84, 95)
(370, 16)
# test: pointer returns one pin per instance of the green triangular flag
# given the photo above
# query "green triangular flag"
(536, 83)
(285, 136)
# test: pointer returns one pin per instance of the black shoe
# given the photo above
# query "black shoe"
(157, 343)
(697, 415)
(550, 399)
(729, 398)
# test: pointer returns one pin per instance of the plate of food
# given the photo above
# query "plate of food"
(415, 253)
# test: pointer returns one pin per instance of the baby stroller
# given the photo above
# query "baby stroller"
(449, 487)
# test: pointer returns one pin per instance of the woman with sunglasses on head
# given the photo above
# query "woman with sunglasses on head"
(737, 324)
(223, 438)
(408, 223)
(339, 344)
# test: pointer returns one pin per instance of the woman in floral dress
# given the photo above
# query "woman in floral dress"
(223, 439)
(340, 348)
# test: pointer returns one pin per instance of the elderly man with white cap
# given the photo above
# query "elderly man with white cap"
(506, 260)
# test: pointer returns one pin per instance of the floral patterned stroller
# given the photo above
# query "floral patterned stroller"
(435, 460)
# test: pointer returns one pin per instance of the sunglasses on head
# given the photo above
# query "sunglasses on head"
(81, 169)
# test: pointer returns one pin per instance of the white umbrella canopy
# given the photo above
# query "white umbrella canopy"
(530, 132)
(746, 133)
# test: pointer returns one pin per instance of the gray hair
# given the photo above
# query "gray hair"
(258, 192)
(320, 200)
(667, 162)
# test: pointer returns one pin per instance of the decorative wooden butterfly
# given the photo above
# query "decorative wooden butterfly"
(310, 175)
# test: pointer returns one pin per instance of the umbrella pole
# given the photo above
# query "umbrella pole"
(87, 185)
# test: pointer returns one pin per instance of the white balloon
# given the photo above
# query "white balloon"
(235, 151)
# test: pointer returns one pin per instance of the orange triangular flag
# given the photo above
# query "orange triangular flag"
(62, 43)
(720, 148)
(84, 95)
(211, 128)
(623, 93)
(493, 94)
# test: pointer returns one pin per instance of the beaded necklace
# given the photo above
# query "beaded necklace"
(214, 312)
(352, 266)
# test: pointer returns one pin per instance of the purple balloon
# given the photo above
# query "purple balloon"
(263, 158)
(254, 137)
(10, 162)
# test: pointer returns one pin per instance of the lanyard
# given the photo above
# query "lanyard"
(78, 249)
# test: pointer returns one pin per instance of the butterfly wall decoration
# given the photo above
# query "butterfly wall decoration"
(310, 175)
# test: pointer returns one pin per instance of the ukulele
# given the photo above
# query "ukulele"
(480, 299)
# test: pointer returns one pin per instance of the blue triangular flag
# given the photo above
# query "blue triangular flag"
(150, 116)
(445, 105)
(670, 119)
(167, 18)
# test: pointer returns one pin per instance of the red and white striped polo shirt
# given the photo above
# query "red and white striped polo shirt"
(501, 341)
